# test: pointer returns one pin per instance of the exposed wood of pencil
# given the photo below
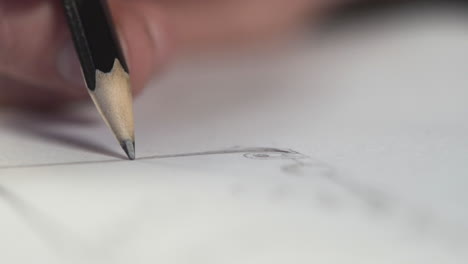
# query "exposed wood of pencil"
(113, 99)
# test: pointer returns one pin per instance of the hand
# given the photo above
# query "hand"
(38, 66)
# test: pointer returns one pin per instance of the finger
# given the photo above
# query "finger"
(36, 50)
(234, 22)
(20, 94)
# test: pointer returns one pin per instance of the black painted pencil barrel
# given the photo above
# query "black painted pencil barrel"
(94, 36)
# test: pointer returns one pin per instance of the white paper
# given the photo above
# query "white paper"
(351, 149)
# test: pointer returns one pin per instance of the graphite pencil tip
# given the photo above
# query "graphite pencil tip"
(129, 148)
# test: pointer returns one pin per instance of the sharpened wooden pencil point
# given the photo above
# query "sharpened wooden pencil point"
(103, 65)
(113, 99)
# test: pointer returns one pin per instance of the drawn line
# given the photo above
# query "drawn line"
(284, 154)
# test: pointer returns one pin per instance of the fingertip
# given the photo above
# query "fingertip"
(145, 39)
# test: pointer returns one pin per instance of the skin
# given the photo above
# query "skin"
(38, 66)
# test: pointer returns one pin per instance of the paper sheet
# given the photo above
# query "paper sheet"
(348, 149)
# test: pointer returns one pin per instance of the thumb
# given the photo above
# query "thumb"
(36, 48)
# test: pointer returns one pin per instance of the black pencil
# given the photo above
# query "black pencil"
(104, 68)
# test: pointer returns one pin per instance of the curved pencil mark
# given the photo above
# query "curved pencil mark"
(253, 153)
(275, 155)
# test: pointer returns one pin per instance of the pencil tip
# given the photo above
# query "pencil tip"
(129, 147)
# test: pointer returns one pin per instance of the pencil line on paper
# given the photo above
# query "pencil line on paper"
(261, 152)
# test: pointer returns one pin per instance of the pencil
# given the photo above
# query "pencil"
(103, 65)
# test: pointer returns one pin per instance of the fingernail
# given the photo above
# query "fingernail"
(68, 65)
(154, 31)
(158, 36)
